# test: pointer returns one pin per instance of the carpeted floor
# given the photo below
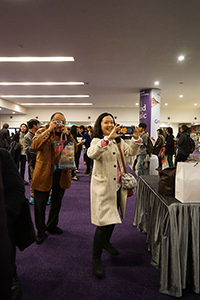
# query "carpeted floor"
(60, 268)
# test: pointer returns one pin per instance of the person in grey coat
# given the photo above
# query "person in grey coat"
(107, 195)
(31, 153)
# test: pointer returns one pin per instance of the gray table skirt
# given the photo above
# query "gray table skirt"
(172, 230)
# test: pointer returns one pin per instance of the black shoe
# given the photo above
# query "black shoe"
(110, 248)
(25, 182)
(56, 230)
(86, 174)
(16, 288)
(97, 267)
(40, 238)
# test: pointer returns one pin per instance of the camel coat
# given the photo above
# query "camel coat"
(42, 180)
(104, 180)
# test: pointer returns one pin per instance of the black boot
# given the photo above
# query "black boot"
(107, 245)
(98, 242)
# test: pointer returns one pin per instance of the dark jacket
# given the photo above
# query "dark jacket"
(86, 137)
(4, 138)
(169, 145)
(17, 207)
(182, 143)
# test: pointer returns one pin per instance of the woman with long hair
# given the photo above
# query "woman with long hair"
(107, 195)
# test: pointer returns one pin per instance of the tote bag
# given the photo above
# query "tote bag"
(187, 182)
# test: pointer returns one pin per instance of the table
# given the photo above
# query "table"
(172, 230)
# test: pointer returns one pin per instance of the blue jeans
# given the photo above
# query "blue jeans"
(139, 169)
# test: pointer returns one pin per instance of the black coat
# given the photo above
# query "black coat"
(16, 204)
(4, 138)
(169, 145)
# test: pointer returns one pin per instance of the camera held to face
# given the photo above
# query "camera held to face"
(59, 123)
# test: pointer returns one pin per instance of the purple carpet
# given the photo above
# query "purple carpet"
(60, 268)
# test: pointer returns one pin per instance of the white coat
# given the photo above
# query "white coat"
(104, 180)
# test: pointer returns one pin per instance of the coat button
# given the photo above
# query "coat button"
(114, 178)
(115, 166)
(113, 152)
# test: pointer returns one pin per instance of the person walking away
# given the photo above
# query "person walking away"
(19, 138)
(87, 140)
(157, 147)
(107, 195)
(169, 145)
(142, 152)
(5, 137)
(74, 132)
(47, 176)
(33, 126)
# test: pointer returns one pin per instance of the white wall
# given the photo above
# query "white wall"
(125, 116)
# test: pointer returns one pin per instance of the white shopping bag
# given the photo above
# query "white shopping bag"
(187, 182)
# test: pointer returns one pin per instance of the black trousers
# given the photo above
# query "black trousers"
(88, 161)
(22, 161)
(40, 200)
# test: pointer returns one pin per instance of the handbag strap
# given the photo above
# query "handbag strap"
(123, 163)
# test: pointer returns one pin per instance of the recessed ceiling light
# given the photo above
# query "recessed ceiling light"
(180, 96)
(43, 83)
(156, 82)
(181, 57)
(45, 96)
(37, 59)
(166, 103)
(13, 112)
(195, 103)
(53, 104)
(0, 108)
(136, 104)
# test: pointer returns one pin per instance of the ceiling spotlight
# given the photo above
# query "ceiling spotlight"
(181, 57)
(136, 103)
(195, 104)
(166, 103)
(180, 96)
(156, 82)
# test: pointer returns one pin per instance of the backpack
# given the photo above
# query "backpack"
(191, 145)
(149, 146)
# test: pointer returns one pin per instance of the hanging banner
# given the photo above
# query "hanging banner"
(150, 110)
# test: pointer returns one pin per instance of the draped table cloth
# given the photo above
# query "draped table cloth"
(172, 230)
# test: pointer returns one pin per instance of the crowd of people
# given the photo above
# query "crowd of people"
(104, 151)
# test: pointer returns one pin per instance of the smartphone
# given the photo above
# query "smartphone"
(127, 130)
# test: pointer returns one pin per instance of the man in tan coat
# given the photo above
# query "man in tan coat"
(48, 176)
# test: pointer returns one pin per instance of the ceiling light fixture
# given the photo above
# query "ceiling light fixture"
(181, 57)
(166, 103)
(45, 96)
(37, 59)
(195, 103)
(136, 104)
(156, 82)
(180, 96)
(55, 104)
(44, 83)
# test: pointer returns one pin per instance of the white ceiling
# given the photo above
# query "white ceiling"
(119, 46)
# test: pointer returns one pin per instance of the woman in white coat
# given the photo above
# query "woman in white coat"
(107, 196)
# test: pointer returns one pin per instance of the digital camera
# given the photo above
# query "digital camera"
(59, 123)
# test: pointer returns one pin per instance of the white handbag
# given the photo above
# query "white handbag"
(187, 182)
